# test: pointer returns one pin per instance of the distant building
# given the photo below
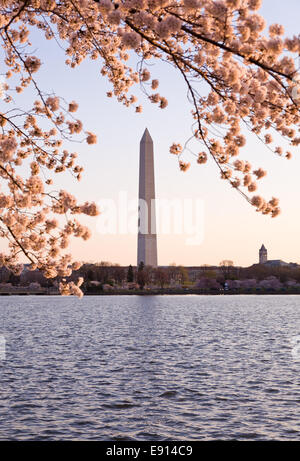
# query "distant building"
(263, 259)
(276, 263)
(263, 255)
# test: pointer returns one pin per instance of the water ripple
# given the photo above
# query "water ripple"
(149, 368)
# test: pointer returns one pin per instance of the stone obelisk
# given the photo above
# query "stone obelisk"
(147, 243)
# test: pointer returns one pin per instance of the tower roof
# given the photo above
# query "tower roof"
(263, 247)
(146, 136)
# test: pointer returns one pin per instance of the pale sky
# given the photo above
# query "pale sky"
(232, 228)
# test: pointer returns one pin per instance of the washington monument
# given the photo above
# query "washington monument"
(147, 244)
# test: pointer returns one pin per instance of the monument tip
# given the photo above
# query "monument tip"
(146, 136)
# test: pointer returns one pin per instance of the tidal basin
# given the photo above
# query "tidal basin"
(155, 368)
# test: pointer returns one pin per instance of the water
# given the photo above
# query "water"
(150, 368)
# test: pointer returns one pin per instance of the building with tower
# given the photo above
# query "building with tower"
(263, 255)
(263, 259)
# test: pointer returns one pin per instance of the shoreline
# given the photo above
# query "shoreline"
(157, 293)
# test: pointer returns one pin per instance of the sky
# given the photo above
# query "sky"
(229, 227)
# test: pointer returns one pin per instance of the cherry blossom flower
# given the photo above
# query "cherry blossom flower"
(91, 138)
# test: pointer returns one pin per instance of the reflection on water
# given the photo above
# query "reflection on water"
(150, 368)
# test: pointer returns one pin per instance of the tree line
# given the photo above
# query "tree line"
(104, 274)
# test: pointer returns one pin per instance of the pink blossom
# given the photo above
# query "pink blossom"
(154, 84)
(35, 185)
(53, 103)
(168, 26)
(131, 40)
(184, 166)
(254, 4)
(90, 209)
(192, 4)
(73, 106)
(202, 158)
(145, 75)
(8, 147)
(260, 173)
(163, 103)
(91, 138)
(105, 6)
(32, 64)
(176, 149)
